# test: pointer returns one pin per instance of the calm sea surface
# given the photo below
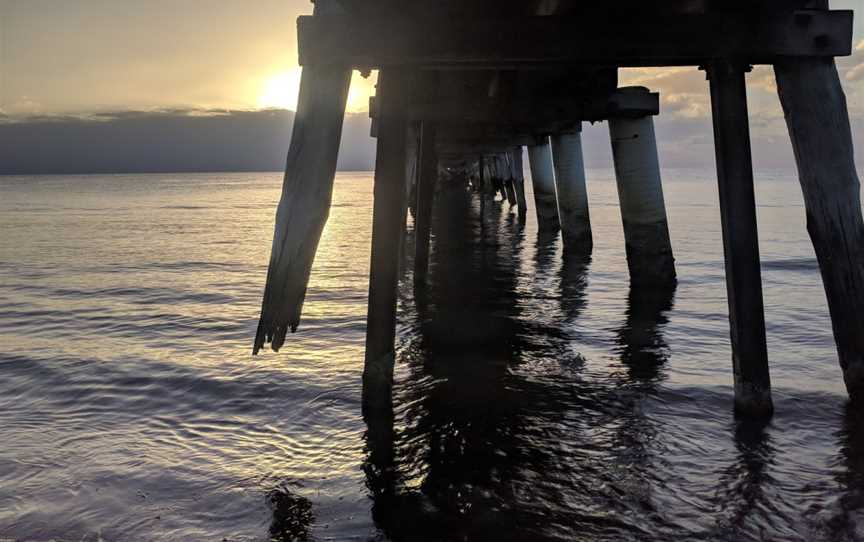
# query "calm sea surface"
(536, 397)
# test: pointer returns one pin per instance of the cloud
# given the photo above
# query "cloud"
(174, 140)
(854, 66)
(762, 78)
(24, 105)
(683, 91)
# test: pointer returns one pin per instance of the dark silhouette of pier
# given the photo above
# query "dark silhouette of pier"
(465, 85)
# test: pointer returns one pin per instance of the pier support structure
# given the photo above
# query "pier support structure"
(740, 239)
(509, 180)
(640, 192)
(563, 72)
(387, 221)
(543, 182)
(818, 122)
(519, 181)
(425, 196)
(412, 166)
(571, 193)
(307, 191)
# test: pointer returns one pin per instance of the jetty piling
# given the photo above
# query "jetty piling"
(494, 95)
(740, 239)
(818, 124)
(307, 190)
(543, 182)
(425, 197)
(518, 181)
(640, 193)
(571, 193)
(387, 225)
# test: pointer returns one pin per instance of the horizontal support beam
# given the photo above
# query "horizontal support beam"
(455, 145)
(679, 40)
(537, 112)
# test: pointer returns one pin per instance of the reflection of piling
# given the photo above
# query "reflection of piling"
(643, 211)
(543, 182)
(641, 338)
(570, 191)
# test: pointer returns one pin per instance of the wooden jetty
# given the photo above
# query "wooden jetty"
(467, 84)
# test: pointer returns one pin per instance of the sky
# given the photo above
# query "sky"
(92, 57)
(75, 56)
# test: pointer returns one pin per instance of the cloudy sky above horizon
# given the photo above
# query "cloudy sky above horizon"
(89, 56)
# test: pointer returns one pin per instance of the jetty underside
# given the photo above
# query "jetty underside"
(465, 85)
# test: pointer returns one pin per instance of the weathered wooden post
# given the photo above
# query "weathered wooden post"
(425, 197)
(818, 122)
(412, 165)
(740, 239)
(481, 174)
(307, 190)
(519, 181)
(570, 191)
(509, 181)
(491, 185)
(500, 168)
(640, 192)
(387, 220)
(543, 181)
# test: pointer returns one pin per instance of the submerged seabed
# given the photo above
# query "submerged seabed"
(537, 397)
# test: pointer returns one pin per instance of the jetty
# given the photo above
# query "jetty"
(464, 86)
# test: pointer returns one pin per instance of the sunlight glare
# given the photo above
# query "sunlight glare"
(280, 90)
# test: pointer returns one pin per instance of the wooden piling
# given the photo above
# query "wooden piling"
(304, 206)
(740, 239)
(543, 182)
(510, 187)
(640, 193)
(571, 192)
(818, 122)
(506, 169)
(425, 196)
(482, 179)
(387, 214)
(412, 165)
(500, 167)
(519, 181)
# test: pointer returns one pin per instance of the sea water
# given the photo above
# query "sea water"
(536, 398)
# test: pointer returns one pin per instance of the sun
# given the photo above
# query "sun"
(280, 90)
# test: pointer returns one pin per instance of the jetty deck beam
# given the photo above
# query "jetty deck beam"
(498, 42)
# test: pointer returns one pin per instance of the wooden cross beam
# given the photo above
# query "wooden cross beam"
(483, 118)
(459, 149)
(676, 40)
(629, 103)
